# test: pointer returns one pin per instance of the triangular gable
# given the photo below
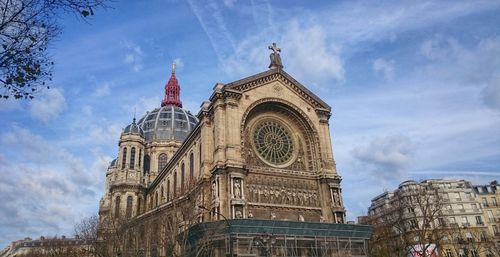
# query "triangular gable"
(248, 83)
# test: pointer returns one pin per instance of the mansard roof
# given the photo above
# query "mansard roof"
(273, 74)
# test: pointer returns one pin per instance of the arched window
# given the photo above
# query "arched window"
(124, 157)
(162, 161)
(139, 206)
(168, 190)
(162, 196)
(183, 167)
(128, 212)
(117, 206)
(132, 158)
(191, 167)
(140, 157)
(199, 162)
(147, 161)
(156, 199)
(175, 184)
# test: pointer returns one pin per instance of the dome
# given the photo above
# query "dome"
(168, 122)
(133, 128)
(113, 163)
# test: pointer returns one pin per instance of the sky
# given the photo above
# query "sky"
(414, 88)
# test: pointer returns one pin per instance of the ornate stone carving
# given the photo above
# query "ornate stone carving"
(237, 188)
(335, 197)
(294, 114)
(282, 195)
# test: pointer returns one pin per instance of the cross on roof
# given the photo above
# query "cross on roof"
(275, 48)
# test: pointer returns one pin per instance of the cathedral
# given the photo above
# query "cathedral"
(251, 174)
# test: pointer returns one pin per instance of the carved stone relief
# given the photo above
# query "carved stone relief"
(282, 195)
(238, 212)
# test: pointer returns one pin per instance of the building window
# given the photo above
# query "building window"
(162, 161)
(168, 190)
(465, 221)
(156, 199)
(449, 253)
(485, 202)
(117, 207)
(147, 161)
(175, 184)
(441, 222)
(273, 142)
(124, 158)
(413, 224)
(199, 161)
(162, 196)
(191, 167)
(128, 212)
(140, 157)
(479, 220)
(138, 206)
(183, 167)
(132, 158)
(494, 201)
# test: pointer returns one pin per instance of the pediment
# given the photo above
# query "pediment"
(271, 75)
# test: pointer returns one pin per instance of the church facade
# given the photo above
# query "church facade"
(256, 160)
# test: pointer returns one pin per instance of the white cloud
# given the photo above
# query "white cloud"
(212, 21)
(178, 63)
(388, 156)
(383, 21)
(105, 135)
(386, 67)
(48, 106)
(316, 56)
(315, 59)
(87, 110)
(491, 94)
(47, 178)
(229, 3)
(134, 56)
(103, 89)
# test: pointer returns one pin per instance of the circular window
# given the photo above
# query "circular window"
(273, 142)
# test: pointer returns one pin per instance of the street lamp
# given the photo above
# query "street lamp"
(228, 226)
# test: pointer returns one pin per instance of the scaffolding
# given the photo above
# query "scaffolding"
(273, 238)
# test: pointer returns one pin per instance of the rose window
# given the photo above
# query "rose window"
(273, 142)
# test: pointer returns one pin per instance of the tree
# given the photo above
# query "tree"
(470, 242)
(170, 232)
(411, 223)
(27, 27)
(104, 237)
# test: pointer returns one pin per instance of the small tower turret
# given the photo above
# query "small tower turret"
(172, 91)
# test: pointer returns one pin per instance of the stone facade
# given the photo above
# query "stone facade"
(221, 149)
(260, 150)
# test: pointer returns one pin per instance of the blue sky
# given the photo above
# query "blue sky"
(414, 87)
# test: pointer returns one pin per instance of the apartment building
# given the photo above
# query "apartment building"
(454, 217)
